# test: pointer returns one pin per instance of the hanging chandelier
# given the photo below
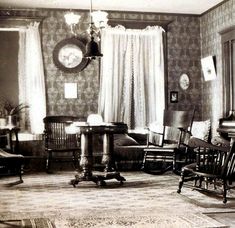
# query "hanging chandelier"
(98, 21)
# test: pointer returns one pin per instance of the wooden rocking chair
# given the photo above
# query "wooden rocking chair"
(214, 165)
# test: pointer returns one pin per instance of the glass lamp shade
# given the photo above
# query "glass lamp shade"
(95, 119)
(71, 18)
(92, 50)
(99, 18)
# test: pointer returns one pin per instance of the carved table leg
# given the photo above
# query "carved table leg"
(86, 156)
(107, 153)
(107, 159)
(86, 163)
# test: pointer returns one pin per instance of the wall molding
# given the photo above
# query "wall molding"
(16, 21)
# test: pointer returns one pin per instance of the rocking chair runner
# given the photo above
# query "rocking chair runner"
(214, 164)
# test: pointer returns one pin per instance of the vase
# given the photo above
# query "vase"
(11, 120)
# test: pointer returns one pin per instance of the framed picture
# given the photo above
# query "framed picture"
(184, 81)
(208, 68)
(68, 55)
(173, 96)
(70, 90)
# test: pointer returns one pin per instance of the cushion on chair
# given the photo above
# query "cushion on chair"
(201, 129)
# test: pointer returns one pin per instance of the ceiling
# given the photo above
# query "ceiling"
(164, 6)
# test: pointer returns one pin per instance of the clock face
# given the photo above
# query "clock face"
(184, 81)
(68, 55)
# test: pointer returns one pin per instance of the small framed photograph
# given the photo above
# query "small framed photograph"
(173, 96)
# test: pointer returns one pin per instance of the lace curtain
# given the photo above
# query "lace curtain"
(31, 77)
(132, 84)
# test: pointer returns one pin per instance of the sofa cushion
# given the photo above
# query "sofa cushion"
(141, 138)
(124, 140)
(201, 129)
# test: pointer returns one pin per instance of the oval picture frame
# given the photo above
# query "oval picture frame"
(68, 55)
(184, 81)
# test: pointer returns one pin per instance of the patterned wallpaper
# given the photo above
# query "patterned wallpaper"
(183, 41)
(211, 23)
(183, 57)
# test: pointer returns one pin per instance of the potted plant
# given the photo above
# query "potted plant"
(13, 112)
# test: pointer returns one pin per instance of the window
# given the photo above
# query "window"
(132, 88)
(228, 61)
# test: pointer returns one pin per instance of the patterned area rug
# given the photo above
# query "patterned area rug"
(158, 221)
(142, 201)
(27, 223)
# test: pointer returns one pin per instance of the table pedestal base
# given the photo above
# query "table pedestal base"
(86, 159)
(97, 179)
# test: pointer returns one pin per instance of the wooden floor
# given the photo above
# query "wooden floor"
(227, 218)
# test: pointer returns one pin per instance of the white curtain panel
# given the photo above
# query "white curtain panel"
(111, 82)
(132, 84)
(31, 76)
(21, 77)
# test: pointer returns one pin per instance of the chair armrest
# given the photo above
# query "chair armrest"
(196, 142)
(219, 141)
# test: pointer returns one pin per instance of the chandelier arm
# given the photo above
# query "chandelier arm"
(92, 48)
(73, 30)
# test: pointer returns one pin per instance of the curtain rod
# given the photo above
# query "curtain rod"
(136, 23)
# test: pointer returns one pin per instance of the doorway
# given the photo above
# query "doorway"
(9, 86)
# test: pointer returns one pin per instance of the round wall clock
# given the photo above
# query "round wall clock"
(184, 81)
(68, 55)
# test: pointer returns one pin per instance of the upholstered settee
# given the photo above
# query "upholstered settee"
(128, 151)
(129, 148)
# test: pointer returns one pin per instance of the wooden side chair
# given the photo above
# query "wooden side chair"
(167, 146)
(59, 145)
(215, 165)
